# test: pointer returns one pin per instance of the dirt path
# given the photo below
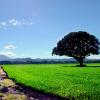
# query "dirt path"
(11, 91)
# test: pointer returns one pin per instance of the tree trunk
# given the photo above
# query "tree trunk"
(81, 62)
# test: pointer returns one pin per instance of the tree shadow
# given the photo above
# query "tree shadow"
(84, 66)
(93, 66)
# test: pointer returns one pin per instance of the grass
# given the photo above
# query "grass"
(59, 79)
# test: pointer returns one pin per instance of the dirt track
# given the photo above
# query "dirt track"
(9, 90)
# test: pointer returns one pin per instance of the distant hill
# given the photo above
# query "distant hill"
(3, 58)
(38, 60)
(6, 60)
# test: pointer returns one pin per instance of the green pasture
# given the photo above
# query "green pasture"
(65, 80)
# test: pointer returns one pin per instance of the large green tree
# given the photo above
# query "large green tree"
(77, 45)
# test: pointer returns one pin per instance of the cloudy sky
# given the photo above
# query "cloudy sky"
(31, 28)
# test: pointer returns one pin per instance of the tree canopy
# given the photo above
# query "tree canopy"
(77, 45)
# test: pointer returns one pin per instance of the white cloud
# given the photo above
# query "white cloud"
(26, 22)
(8, 47)
(12, 20)
(94, 57)
(8, 53)
(7, 50)
(3, 23)
(15, 22)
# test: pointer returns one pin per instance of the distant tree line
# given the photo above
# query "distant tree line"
(47, 62)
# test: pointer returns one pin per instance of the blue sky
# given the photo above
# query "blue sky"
(31, 28)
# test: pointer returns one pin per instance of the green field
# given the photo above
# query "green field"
(59, 79)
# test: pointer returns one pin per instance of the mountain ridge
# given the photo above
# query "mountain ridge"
(5, 59)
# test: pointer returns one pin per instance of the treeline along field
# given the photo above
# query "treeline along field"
(59, 79)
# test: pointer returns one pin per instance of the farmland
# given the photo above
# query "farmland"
(64, 80)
